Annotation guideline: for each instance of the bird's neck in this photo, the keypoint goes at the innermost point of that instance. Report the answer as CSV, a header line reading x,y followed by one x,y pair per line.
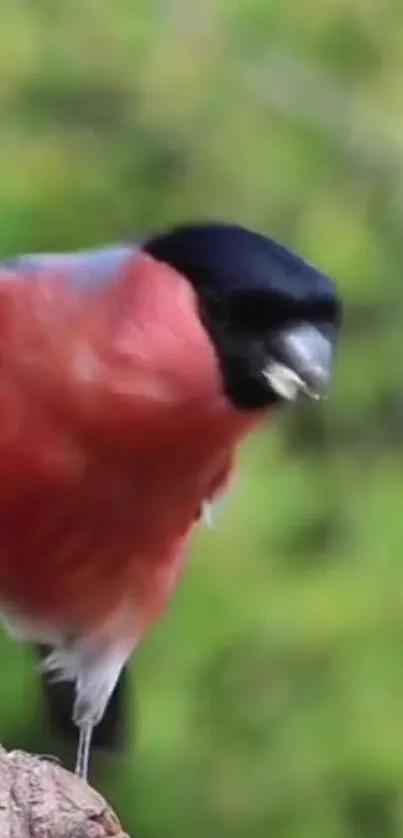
x,y
172,357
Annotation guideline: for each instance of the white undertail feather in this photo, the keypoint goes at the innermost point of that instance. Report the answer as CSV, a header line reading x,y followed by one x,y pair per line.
x,y
95,671
32,631
94,667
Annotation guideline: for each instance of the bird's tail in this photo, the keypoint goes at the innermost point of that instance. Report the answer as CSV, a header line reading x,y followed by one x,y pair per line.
x,y
111,734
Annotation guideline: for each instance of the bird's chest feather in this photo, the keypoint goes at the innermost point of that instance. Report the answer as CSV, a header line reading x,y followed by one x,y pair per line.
x,y
113,432
78,538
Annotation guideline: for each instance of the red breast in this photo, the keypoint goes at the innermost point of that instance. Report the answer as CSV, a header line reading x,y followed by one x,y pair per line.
x,y
114,428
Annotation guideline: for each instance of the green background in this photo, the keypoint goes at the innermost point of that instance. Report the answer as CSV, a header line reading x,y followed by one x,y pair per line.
x,y
269,701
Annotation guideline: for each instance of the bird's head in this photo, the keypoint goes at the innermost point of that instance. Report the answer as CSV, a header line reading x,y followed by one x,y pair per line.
x,y
273,318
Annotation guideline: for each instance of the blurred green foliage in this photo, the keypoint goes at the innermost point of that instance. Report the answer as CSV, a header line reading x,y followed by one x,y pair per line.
x,y
270,699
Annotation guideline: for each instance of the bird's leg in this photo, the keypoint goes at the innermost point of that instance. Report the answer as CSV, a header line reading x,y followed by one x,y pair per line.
x,y
95,668
83,751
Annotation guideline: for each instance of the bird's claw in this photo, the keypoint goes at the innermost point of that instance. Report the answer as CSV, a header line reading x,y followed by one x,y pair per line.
x,y
50,758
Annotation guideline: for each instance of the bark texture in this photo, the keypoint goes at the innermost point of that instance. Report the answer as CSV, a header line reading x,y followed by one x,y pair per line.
x,y
40,799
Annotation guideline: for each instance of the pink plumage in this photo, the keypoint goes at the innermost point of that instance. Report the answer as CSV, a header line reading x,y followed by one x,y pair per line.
x,y
114,430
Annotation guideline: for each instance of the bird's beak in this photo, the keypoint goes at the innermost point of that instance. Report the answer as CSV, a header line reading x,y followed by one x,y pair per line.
x,y
301,361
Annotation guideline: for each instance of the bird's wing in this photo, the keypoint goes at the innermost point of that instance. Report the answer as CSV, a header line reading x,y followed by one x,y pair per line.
x,y
86,268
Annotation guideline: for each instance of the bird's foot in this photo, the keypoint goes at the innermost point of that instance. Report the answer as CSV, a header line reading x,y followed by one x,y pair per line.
x,y
50,758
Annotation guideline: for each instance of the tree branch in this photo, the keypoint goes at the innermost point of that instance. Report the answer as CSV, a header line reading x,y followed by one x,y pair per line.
x,y
39,799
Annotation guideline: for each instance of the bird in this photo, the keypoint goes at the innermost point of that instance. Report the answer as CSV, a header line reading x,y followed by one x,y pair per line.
x,y
130,373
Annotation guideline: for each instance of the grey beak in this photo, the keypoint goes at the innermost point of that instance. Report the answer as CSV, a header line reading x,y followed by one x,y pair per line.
x,y
302,360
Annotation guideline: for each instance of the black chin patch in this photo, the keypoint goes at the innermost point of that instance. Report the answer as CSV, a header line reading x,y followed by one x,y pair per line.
x,y
242,359
247,392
